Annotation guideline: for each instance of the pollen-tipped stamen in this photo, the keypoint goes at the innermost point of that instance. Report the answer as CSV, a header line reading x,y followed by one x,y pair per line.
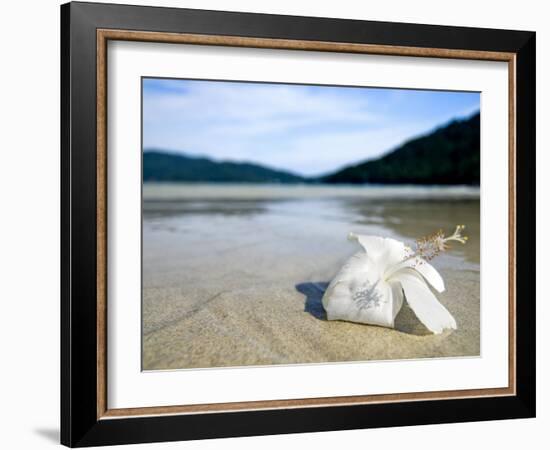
x,y
457,235
430,246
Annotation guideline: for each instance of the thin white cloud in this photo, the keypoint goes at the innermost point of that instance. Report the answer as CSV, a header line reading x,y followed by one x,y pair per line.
x,y
297,128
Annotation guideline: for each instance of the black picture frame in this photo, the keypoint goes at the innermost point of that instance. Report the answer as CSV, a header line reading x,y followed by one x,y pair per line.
x,y
80,425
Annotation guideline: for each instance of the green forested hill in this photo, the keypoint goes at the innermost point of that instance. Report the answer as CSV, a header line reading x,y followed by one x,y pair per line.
x,y
163,166
449,155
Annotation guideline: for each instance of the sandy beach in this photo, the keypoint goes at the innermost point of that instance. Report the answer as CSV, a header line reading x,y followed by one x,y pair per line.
x,y
234,275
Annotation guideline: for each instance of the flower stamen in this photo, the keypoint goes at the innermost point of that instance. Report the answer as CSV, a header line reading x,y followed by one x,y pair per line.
x,y
430,246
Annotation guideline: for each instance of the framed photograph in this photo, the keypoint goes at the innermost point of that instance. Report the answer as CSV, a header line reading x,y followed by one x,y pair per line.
x,y
278,224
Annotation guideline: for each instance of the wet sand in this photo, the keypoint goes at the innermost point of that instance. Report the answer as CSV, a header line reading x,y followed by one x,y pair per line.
x,y
234,275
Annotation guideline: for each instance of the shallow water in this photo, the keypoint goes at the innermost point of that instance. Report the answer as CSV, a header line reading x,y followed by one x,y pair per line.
x,y
404,212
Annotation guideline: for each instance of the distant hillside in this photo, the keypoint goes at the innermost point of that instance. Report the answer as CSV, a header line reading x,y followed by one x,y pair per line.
x,y
449,155
162,166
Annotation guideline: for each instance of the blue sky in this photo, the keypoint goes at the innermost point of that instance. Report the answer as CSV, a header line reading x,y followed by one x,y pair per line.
x,y
308,130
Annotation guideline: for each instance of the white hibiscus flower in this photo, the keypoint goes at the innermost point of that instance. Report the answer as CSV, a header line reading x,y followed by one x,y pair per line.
x,y
372,285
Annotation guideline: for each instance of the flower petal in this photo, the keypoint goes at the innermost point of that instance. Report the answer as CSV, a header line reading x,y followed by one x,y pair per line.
x,y
425,269
342,303
385,252
424,304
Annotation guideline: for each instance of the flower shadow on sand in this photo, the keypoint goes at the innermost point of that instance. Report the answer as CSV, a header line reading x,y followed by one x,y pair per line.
x,y
405,322
314,293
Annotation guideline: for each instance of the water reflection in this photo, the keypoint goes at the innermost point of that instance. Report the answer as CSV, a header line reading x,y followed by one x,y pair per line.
x,y
406,217
415,218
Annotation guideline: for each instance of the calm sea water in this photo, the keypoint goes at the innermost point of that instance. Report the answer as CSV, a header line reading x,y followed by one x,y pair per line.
x,y
308,212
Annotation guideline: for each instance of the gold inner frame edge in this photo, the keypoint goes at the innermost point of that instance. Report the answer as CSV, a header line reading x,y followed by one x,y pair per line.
x,y
103,36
